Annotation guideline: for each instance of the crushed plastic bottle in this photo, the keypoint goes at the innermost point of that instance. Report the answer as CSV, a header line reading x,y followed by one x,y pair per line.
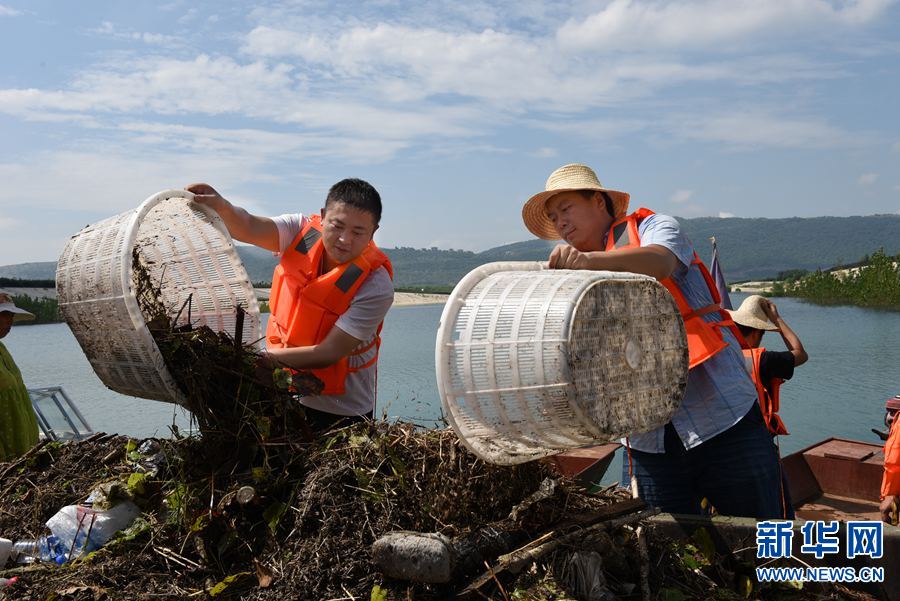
x,y
45,548
82,529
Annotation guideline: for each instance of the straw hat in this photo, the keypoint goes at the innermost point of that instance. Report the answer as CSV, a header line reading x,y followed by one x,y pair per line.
x,y
751,314
574,176
6,304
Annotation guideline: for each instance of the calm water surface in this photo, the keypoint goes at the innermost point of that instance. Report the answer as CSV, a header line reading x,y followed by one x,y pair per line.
x,y
854,367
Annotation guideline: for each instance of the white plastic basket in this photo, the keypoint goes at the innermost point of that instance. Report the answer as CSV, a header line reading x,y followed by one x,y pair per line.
x,y
188,252
532,361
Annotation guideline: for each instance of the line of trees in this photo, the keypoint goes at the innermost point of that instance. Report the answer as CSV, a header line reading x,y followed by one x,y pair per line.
x,y
17,283
876,284
46,310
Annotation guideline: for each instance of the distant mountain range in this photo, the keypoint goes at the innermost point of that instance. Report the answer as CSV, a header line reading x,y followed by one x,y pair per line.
x,y
748,249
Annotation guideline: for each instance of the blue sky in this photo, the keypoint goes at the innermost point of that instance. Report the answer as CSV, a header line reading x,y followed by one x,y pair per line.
x,y
456,111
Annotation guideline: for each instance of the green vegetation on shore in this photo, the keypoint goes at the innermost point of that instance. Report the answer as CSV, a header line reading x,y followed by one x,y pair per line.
x,y
20,283
46,310
874,284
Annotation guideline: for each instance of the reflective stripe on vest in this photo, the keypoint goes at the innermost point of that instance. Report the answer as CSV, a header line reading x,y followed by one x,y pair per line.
x,y
768,395
305,304
703,338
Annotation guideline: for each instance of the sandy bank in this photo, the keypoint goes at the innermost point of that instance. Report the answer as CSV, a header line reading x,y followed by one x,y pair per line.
x,y
758,287
404,299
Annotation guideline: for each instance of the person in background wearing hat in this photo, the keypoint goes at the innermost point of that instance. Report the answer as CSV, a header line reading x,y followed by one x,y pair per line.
x,y
330,293
716,446
18,425
769,369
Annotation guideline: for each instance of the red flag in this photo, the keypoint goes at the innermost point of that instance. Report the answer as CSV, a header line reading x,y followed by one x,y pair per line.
x,y
719,276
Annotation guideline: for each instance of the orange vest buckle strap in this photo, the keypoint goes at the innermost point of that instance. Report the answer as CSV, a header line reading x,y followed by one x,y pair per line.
x,y
703,338
305,304
769,396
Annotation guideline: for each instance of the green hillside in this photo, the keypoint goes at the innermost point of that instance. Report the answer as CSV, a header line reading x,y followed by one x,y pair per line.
x,y
748,248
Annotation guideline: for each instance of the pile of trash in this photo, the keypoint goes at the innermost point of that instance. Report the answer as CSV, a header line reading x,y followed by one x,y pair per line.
x,y
307,526
254,507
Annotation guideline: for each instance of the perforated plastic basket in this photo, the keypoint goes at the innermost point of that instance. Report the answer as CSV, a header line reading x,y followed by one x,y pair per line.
x,y
187,251
531,361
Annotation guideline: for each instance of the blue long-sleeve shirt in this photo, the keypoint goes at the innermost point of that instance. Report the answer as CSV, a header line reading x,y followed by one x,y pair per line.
x,y
719,390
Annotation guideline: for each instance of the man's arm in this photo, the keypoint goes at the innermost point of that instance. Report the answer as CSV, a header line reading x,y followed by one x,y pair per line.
x,y
791,340
243,226
888,510
653,260
337,345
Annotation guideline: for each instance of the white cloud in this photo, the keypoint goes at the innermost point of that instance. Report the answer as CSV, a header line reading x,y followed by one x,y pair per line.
x,y
545,153
867,179
113,179
221,86
896,147
8,222
897,188
6,11
188,16
681,196
724,215
691,210
628,24
106,28
759,128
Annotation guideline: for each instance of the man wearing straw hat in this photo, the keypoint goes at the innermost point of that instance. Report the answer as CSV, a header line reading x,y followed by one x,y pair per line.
x,y
716,446
330,293
769,369
18,425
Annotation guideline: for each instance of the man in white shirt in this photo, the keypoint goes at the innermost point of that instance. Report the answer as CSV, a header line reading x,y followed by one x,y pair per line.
x,y
330,293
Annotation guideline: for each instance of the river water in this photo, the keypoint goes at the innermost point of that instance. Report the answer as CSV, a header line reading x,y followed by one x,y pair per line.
x,y
854,367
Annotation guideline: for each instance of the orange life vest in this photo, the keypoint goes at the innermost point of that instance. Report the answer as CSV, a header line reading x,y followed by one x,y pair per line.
x,y
703,338
890,483
768,395
305,304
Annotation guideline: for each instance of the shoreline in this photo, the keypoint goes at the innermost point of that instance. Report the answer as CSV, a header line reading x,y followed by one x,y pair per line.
x,y
401,299
409,299
755,287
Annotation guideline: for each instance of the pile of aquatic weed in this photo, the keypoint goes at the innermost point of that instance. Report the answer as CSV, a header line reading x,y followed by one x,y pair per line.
x,y
237,405
303,528
252,508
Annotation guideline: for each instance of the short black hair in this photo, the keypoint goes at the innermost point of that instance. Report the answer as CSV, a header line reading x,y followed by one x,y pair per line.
x,y
745,330
356,193
607,199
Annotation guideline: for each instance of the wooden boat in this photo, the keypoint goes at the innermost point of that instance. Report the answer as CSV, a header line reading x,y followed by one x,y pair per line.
x,y
834,479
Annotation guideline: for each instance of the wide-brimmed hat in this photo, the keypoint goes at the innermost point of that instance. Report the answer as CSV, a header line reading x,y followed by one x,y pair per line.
x,y
752,315
6,304
573,176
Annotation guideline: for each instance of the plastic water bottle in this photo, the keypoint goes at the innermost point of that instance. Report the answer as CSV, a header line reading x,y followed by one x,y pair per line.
x,y
45,548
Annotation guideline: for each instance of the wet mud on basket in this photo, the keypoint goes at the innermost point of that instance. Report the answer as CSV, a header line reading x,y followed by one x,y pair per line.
x,y
303,528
